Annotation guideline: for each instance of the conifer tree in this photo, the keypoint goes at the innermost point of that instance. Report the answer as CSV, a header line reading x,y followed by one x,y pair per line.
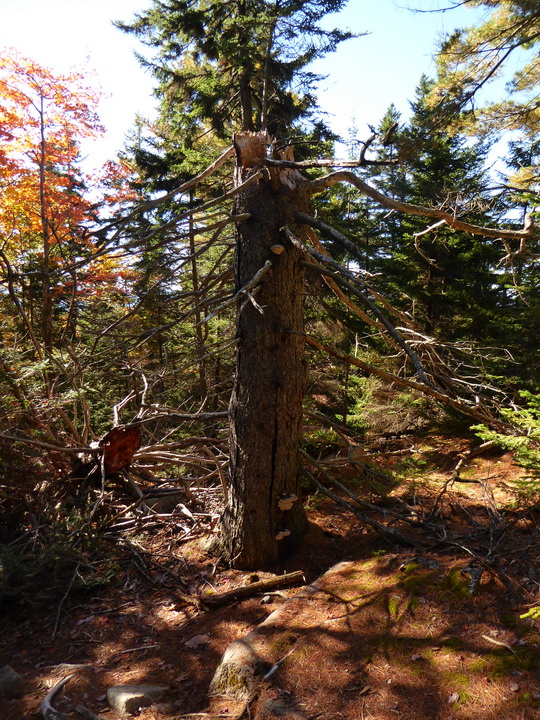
x,y
223,67
446,276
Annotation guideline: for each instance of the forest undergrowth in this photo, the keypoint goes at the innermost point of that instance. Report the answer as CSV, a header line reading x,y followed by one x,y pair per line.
x,y
140,601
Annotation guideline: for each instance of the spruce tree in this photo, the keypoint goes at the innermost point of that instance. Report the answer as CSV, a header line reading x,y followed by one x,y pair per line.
x,y
223,67
444,277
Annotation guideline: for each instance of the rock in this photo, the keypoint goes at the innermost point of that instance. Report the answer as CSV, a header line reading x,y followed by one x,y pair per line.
x,y
11,683
129,699
276,708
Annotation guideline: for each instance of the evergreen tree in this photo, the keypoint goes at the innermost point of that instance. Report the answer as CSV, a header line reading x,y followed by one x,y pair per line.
x,y
445,276
471,58
222,67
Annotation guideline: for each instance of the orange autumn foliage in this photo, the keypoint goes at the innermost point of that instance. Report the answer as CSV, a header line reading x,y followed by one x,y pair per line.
x,y
49,207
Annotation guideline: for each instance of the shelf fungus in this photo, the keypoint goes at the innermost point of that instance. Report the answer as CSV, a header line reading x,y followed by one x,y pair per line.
x,y
277,249
283,534
286,503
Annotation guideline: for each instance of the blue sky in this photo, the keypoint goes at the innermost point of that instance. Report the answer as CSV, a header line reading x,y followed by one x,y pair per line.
x,y
365,75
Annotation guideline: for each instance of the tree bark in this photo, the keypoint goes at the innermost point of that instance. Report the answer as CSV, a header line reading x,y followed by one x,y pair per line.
x,y
265,411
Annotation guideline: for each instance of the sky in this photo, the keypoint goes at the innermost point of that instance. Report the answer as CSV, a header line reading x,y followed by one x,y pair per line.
x,y
365,75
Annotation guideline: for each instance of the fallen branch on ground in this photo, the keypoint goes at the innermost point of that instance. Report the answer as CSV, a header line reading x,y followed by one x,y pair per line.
x,y
396,535
253,589
47,710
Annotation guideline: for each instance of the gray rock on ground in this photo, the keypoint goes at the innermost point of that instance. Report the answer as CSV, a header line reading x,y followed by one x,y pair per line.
x,y
11,683
129,699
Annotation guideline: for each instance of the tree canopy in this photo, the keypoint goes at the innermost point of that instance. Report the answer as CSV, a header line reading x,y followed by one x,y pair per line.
x,y
471,58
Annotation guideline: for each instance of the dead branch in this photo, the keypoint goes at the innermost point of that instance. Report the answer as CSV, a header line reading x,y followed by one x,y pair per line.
x,y
49,446
47,710
163,412
335,235
352,281
189,213
219,468
331,162
243,291
193,231
214,600
144,207
461,405
334,286
356,499
394,534
463,460
322,184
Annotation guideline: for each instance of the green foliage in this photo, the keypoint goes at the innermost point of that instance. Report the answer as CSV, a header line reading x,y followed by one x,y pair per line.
x,y
505,40
443,277
524,442
533,613
222,67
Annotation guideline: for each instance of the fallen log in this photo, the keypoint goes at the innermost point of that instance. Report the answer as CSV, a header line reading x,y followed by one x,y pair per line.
x,y
216,599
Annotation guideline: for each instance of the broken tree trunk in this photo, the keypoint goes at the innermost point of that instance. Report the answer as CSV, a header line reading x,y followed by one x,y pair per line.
x,y
265,412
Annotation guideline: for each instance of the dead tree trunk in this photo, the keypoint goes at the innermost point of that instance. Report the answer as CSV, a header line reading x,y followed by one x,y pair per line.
x,y
266,403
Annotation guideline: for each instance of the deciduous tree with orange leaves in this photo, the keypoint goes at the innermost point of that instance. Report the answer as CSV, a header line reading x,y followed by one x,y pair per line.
x,y
51,264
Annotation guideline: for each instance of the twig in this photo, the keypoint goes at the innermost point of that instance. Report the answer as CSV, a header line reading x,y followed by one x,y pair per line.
x,y
243,291
62,601
279,663
396,535
220,473
362,503
49,446
463,460
498,642
138,649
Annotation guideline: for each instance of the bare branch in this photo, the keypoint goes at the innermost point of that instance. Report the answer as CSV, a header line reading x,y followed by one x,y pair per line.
x,y
243,291
331,162
396,535
479,413
367,302
221,160
322,184
49,446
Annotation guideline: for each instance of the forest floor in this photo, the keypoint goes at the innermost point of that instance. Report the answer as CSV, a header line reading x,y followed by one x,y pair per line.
x,y
392,632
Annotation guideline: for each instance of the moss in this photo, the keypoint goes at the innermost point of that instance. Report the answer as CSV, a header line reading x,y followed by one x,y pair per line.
x,y
392,605
412,604
455,582
417,581
457,680
282,644
502,662
451,643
